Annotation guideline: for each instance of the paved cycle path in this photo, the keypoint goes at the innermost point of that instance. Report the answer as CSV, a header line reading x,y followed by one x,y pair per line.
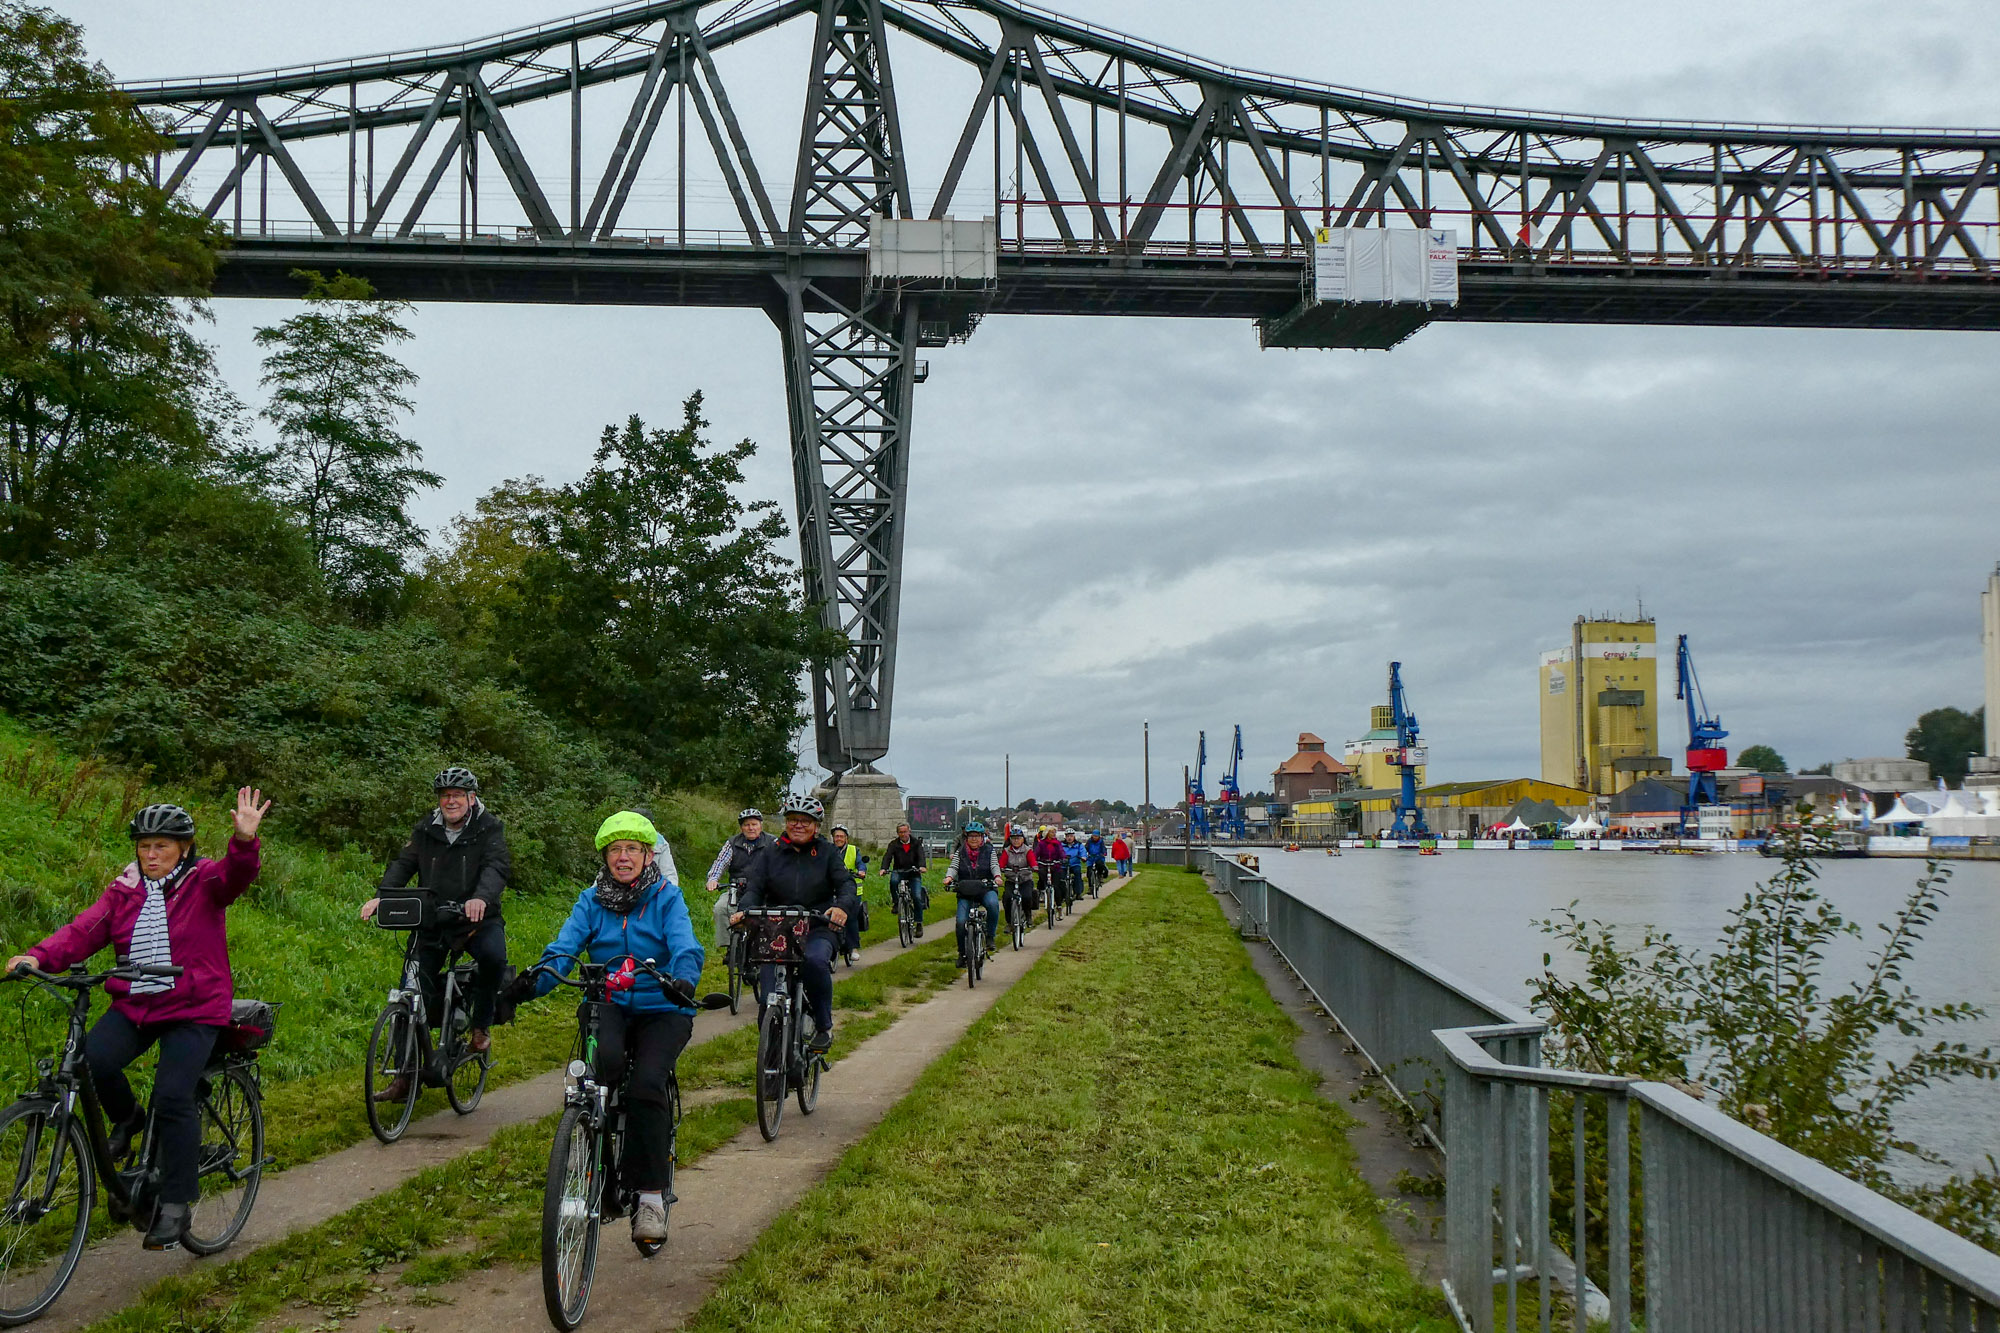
x,y
735,1191
114,1270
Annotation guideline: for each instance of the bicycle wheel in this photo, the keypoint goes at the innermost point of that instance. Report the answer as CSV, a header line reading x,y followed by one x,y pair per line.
x,y
465,1074
395,1049
771,1073
906,928
569,1219
975,953
1020,921
51,1184
808,1065
232,1159
734,957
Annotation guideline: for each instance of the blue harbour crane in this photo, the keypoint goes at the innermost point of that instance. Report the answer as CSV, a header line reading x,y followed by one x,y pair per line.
x,y
1229,796
1705,753
1197,796
1409,756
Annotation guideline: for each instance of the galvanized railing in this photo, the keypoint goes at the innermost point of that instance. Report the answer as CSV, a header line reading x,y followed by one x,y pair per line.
x,y
1709,1227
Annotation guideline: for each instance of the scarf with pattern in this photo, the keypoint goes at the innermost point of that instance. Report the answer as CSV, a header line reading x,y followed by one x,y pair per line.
x,y
622,898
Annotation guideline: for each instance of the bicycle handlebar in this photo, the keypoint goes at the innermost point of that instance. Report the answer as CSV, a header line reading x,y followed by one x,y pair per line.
x,y
714,1000
77,979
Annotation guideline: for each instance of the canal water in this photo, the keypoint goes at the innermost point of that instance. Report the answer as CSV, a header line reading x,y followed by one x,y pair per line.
x,y
1472,914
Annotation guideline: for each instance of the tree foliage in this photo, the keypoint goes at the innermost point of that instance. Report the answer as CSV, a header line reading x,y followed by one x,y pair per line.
x,y
1762,758
1946,738
1787,1053
98,366
338,396
649,603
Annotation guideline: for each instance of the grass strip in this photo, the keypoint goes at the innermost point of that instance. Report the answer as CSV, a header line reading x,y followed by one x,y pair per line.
x,y
484,1207
1125,1142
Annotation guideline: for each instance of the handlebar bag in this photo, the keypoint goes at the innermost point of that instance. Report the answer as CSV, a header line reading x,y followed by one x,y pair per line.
x,y
777,939
406,910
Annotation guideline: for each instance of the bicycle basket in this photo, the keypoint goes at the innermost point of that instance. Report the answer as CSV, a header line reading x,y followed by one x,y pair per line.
x,y
406,910
251,1023
776,939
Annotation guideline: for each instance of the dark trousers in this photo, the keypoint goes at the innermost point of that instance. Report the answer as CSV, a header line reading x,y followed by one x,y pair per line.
x,y
850,934
651,1043
816,963
486,946
116,1041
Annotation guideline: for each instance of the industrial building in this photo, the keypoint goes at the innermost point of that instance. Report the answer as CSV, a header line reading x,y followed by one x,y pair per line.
x,y
1600,704
1309,773
1373,757
1452,809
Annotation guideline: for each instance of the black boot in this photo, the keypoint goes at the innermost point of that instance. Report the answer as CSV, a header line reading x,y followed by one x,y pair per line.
x,y
124,1132
169,1226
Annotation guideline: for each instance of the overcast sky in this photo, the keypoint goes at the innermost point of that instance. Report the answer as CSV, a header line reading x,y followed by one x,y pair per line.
x,y
1215,535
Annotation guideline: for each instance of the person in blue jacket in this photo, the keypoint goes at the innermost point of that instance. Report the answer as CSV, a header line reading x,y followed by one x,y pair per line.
x,y
632,910
1093,851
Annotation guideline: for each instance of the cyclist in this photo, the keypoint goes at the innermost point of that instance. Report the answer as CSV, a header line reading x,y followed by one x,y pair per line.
x,y
972,872
1093,852
632,910
1121,854
903,862
850,934
1017,864
1073,854
734,860
459,853
804,870
1049,858
164,909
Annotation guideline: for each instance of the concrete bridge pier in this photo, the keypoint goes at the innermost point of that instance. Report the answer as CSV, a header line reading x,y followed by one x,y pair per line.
x,y
869,803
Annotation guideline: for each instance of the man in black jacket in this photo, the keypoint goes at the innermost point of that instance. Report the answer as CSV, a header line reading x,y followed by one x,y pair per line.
x,y
458,852
903,861
805,870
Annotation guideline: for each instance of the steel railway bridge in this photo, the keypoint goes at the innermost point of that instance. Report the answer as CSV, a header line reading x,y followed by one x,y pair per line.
x,y
605,159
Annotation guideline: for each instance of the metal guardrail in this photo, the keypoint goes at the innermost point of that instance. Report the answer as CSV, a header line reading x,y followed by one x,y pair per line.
x,y
1686,1219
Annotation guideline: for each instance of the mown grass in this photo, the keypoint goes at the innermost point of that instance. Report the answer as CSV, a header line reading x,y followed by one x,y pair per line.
x,y
484,1207
1125,1141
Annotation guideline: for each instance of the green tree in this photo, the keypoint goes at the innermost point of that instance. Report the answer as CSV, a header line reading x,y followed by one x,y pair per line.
x,y
1762,758
338,396
1945,738
653,607
98,366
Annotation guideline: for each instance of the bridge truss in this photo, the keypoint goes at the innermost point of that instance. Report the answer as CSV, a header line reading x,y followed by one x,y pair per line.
x,y
604,159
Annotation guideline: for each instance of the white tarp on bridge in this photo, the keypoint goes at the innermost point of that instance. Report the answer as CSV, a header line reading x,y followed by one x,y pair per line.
x,y
1386,264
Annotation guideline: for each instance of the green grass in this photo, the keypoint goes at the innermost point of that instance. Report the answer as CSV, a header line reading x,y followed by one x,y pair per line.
x,y
1125,1142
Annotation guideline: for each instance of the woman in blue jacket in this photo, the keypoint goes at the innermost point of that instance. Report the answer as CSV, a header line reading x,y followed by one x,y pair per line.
x,y
633,911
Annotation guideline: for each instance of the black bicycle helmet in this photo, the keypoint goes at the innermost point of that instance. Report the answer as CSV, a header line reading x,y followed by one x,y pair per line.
x,y
162,821
457,776
752,813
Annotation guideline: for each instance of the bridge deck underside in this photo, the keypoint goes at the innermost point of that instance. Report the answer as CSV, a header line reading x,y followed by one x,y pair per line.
x,y
1098,284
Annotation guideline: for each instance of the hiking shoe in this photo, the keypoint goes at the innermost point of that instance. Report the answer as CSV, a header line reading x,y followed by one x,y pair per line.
x,y
649,1222
170,1225
398,1089
820,1042
123,1134
479,1041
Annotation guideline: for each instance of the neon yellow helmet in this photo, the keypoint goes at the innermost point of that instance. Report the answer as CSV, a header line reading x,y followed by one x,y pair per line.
x,y
627,826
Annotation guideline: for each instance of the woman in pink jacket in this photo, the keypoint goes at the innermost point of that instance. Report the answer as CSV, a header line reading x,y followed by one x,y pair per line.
x,y
166,909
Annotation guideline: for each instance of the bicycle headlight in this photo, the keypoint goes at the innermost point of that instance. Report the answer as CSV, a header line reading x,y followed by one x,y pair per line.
x,y
577,1069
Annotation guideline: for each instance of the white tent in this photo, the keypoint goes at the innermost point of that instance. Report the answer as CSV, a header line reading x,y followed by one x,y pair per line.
x,y
1517,827
1583,825
1899,813
1844,814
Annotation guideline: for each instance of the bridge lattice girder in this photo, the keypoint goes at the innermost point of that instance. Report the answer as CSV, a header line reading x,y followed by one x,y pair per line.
x,y
615,157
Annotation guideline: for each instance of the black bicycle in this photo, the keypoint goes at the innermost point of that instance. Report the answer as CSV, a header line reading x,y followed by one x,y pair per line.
x,y
733,962
909,922
55,1148
582,1190
975,944
400,1046
1096,875
1058,880
786,1063
1015,904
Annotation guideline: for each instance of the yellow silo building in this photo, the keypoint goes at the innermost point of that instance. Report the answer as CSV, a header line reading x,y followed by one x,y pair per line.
x,y
1601,706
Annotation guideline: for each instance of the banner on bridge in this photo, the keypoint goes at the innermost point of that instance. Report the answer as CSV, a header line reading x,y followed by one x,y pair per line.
x,y
1385,264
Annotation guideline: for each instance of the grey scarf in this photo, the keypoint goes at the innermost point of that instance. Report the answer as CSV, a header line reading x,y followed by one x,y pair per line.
x,y
150,945
622,898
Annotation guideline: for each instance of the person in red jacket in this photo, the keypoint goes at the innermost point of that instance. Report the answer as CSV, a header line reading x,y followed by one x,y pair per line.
x,y
1121,854
165,909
